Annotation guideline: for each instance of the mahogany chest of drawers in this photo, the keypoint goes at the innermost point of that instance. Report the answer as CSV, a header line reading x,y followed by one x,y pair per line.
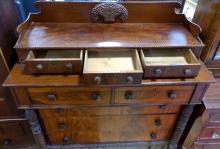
x,y
98,74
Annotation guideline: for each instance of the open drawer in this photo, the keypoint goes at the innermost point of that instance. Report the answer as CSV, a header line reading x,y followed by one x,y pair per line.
x,y
162,63
112,67
54,61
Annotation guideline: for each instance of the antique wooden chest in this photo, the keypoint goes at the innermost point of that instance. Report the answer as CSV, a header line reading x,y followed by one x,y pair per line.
x,y
97,74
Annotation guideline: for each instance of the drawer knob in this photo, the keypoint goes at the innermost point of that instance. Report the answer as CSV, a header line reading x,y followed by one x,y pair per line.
x,y
157,122
69,66
58,110
172,94
162,107
7,142
39,67
129,95
158,71
130,79
97,79
52,96
65,139
61,126
153,135
96,96
188,71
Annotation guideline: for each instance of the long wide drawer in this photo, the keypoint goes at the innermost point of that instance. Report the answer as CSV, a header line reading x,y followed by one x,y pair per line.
x,y
70,95
154,94
96,129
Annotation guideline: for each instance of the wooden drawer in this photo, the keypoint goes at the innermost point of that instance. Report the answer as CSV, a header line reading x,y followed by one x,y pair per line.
x,y
96,129
210,133
99,111
11,129
162,63
112,67
54,61
70,95
153,94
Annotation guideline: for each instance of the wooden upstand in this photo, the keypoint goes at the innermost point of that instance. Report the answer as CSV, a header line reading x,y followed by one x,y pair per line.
x,y
103,74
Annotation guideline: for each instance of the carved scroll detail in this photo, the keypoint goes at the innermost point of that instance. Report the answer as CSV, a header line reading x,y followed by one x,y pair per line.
x,y
36,128
180,126
108,12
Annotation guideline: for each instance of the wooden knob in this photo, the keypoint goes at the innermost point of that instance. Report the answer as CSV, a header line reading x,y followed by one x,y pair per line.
x,y
172,94
52,96
61,126
158,71
69,66
65,139
153,135
58,110
187,71
96,96
162,107
39,67
157,122
130,79
97,79
7,142
129,95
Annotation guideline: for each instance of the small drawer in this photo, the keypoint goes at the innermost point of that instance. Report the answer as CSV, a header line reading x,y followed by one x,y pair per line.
x,y
210,133
154,94
117,128
70,95
110,67
54,61
161,63
11,129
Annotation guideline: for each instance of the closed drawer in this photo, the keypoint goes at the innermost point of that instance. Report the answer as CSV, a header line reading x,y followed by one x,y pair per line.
x,y
111,67
210,133
70,95
101,111
154,94
11,129
94,129
54,61
162,63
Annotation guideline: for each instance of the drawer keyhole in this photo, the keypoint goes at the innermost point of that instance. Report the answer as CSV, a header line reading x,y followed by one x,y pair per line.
x,y
172,94
69,66
96,96
162,107
97,79
65,139
58,110
52,96
129,95
130,79
157,122
61,126
39,67
158,71
187,71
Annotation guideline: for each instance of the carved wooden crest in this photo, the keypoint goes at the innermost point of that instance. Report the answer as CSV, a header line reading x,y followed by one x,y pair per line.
x,y
108,12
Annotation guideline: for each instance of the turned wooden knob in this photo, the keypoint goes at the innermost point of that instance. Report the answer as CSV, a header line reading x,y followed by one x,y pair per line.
x,y
129,95
69,66
39,67
153,135
172,94
97,79
96,96
187,71
130,79
157,122
61,126
52,96
158,71
65,139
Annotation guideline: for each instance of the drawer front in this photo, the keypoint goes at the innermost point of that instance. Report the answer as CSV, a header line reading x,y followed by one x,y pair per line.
x,y
12,129
70,95
205,146
210,133
94,129
154,94
99,111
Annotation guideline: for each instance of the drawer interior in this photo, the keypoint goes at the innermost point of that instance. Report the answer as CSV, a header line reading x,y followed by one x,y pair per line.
x,y
54,54
112,61
169,57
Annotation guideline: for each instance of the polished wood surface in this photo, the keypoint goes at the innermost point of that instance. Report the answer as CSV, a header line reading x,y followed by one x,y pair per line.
x,y
76,80
51,35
